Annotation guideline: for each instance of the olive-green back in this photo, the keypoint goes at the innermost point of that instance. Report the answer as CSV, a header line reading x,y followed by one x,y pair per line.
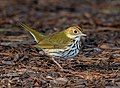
x,y
55,41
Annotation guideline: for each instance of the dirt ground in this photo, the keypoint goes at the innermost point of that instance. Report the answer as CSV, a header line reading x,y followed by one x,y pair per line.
x,y
24,66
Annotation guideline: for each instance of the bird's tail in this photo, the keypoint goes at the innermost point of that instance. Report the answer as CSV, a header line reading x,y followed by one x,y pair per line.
x,y
37,36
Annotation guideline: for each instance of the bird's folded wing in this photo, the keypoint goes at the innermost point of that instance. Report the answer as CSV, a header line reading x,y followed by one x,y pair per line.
x,y
57,41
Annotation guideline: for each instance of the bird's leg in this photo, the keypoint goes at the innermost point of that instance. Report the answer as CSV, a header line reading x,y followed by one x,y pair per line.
x,y
57,63
52,58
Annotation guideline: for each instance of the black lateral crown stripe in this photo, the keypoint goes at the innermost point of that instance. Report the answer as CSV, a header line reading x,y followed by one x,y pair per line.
x,y
78,28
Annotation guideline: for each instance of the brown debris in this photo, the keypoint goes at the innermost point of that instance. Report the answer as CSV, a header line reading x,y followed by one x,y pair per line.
x,y
24,66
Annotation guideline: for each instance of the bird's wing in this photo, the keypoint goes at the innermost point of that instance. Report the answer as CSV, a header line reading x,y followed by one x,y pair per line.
x,y
56,41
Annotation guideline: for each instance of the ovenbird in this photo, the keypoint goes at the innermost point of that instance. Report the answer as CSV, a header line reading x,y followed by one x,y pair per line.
x,y
64,44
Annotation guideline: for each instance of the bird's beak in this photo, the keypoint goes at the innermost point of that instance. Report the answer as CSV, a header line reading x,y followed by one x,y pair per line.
x,y
84,35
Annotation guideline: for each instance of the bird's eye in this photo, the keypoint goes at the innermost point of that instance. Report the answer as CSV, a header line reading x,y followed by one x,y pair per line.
x,y
75,31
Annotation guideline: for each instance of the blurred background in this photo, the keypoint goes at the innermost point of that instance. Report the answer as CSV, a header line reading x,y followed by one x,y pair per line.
x,y
60,13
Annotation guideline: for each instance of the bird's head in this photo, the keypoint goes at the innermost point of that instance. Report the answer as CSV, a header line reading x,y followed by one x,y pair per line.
x,y
74,32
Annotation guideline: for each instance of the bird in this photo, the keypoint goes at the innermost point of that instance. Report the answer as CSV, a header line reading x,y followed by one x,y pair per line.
x,y
63,44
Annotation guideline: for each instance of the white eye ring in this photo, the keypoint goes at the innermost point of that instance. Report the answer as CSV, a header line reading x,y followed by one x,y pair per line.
x,y
75,31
